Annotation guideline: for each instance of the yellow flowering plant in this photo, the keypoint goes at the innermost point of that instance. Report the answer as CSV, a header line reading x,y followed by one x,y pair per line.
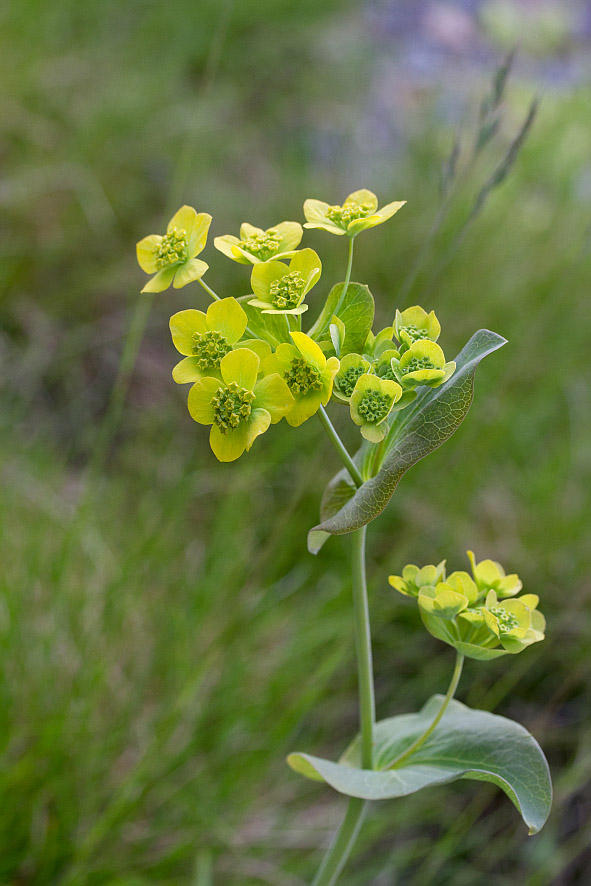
x,y
250,364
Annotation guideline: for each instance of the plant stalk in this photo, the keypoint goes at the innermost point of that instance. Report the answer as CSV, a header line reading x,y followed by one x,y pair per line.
x,y
349,267
342,844
216,297
208,289
367,707
431,729
340,447
345,838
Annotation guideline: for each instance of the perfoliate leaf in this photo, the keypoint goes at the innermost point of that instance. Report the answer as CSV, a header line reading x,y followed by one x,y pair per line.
x,y
355,309
415,432
467,744
273,328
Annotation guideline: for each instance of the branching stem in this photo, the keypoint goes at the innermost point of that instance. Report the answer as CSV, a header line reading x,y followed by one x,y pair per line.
x,y
455,679
340,447
216,297
209,290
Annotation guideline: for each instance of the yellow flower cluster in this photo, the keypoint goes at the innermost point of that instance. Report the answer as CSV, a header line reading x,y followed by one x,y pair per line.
x,y
250,363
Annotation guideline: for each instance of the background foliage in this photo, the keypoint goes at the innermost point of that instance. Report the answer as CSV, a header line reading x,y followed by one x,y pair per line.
x,y
167,639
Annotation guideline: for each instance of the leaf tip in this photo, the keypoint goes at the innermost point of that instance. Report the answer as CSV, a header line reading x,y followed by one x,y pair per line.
x,y
500,340
316,539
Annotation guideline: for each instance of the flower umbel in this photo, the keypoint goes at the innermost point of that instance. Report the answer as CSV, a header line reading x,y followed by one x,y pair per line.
x,y
415,324
423,363
414,579
256,245
172,257
281,289
238,406
352,367
371,402
470,617
205,339
490,576
358,212
308,374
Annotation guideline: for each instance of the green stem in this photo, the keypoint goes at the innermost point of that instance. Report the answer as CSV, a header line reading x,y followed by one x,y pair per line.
x,y
349,267
340,447
344,840
328,425
208,289
377,458
367,706
216,297
455,679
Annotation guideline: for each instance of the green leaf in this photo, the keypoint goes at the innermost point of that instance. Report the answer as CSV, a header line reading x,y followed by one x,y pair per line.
x,y
355,310
467,744
272,328
415,432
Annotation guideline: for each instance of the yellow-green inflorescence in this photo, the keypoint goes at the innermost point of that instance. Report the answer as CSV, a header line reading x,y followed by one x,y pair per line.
x,y
206,338
376,382
302,377
423,363
286,291
256,245
466,612
262,246
239,405
358,212
371,403
172,249
281,289
231,405
308,374
415,324
172,257
342,215
209,348
349,379
352,367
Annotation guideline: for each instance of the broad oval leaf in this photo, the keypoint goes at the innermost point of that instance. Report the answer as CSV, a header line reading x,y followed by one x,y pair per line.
x,y
467,744
415,432
355,309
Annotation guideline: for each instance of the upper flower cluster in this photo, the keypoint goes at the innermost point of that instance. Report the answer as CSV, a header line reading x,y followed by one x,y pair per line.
x,y
296,373
479,615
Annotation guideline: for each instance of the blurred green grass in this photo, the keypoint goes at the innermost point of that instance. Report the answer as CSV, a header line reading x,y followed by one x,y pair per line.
x,y
161,657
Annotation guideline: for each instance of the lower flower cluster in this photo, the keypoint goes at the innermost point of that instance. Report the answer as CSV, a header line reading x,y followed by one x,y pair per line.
x,y
479,614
